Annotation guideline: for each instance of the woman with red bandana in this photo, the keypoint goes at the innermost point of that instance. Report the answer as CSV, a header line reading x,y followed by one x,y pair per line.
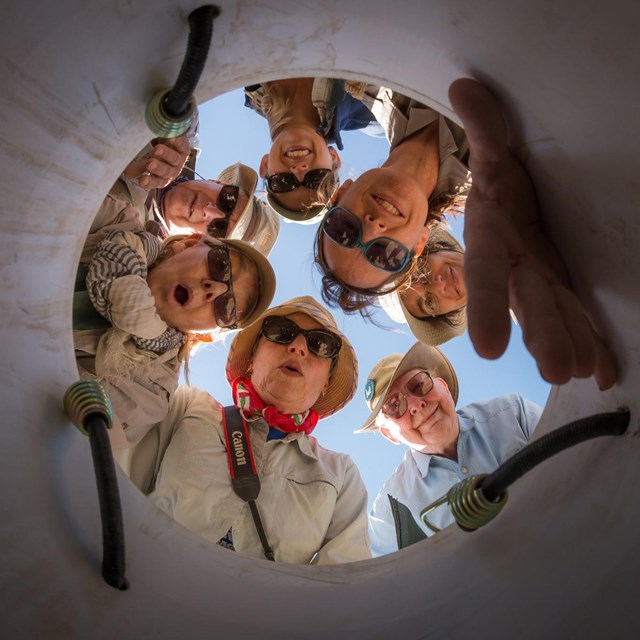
x,y
288,370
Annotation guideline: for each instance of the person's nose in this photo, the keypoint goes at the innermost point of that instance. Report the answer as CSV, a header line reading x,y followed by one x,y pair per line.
x,y
299,345
438,283
415,404
373,226
211,289
299,169
211,212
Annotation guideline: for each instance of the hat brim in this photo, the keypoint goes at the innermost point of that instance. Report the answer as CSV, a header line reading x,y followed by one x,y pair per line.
x,y
420,356
344,376
267,279
312,215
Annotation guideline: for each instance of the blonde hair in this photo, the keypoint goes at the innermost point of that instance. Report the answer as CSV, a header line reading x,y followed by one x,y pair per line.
x,y
273,104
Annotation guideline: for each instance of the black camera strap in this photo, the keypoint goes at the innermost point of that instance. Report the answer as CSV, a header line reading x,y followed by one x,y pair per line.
x,y
242,468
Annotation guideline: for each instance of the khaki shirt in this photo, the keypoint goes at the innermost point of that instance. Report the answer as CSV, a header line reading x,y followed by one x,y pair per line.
x,y
312,501
401,116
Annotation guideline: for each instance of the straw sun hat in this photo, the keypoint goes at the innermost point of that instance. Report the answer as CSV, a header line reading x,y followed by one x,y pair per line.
x,y
389,369
436,330
344,375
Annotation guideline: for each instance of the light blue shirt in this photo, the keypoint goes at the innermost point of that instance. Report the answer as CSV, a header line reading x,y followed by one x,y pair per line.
x,y
490,433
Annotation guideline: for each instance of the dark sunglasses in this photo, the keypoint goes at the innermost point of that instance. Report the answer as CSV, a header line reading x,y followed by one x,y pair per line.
x,y
345,229
224,305
285,182
323,344
226,202
419,386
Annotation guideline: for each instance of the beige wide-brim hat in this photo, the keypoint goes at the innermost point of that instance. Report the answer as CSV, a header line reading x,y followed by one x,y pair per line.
x,y
257,224
389,369
344,376
430,331
265,273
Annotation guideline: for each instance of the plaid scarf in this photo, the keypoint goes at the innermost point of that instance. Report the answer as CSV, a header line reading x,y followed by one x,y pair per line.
x,y
251,405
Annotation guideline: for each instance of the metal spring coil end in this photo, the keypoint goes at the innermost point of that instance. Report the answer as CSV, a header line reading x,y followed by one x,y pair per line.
x,y
161,124
84,398
469,506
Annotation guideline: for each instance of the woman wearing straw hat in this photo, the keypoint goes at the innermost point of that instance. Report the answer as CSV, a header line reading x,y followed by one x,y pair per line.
x,y
159,191
287,370
434,301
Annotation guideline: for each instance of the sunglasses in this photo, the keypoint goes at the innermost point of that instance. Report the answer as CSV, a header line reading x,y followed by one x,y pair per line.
x,y
224,305
345,229
285,182
419,386
321,343
226,202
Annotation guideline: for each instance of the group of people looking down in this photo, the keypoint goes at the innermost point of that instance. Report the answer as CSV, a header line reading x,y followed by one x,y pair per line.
x,y
173,260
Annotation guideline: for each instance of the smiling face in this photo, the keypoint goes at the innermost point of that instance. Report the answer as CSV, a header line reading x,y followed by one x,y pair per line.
x,y
184,292
430,424
298,149
387,203
191,206
289,376
446,290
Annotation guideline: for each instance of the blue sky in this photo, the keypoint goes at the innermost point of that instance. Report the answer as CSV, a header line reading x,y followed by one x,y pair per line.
x,y
229,133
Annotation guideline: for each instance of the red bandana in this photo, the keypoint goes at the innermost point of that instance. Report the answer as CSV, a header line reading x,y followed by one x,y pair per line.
x,y
251,405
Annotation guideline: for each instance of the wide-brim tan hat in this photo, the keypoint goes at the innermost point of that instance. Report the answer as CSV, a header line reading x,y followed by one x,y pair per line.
x,y
267,277
257,224
312,215
344,375
389,369
431,331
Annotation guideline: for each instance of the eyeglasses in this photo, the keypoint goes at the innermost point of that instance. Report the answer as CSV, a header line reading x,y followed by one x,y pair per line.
x,y
224,305
286,181
226,202
419,386
323,344
345,229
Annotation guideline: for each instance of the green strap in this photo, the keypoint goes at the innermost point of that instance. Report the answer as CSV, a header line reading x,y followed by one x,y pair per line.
x,y
407,530
85,315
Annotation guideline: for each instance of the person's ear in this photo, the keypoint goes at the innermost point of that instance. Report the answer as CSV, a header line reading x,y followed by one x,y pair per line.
x,y
343,187
263,171
425,232
336,162
386,433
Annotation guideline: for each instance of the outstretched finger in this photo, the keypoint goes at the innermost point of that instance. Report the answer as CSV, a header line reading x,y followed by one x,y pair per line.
x,y
544,329
486,273
482,119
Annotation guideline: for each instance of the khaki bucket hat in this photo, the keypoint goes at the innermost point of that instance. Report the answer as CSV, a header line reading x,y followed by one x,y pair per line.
x,y
344,376
431,331
312,215
389,369
265,273
257,224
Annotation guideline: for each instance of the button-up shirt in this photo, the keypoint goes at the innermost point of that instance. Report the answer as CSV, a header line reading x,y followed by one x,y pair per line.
x,y
312,501
490,433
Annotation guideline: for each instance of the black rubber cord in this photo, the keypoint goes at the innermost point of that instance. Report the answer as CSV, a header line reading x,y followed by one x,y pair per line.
x,y
113,553
177,101
601,424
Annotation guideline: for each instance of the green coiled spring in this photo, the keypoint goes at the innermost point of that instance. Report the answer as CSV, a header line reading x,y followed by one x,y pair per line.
x,y
85,398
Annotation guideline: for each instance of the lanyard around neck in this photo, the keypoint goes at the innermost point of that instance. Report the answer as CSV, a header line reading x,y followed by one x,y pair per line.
x,y
244,477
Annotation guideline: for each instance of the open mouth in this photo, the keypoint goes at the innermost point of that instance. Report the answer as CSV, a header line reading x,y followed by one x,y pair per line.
x,y
290,368
387,205
297,152
181,294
